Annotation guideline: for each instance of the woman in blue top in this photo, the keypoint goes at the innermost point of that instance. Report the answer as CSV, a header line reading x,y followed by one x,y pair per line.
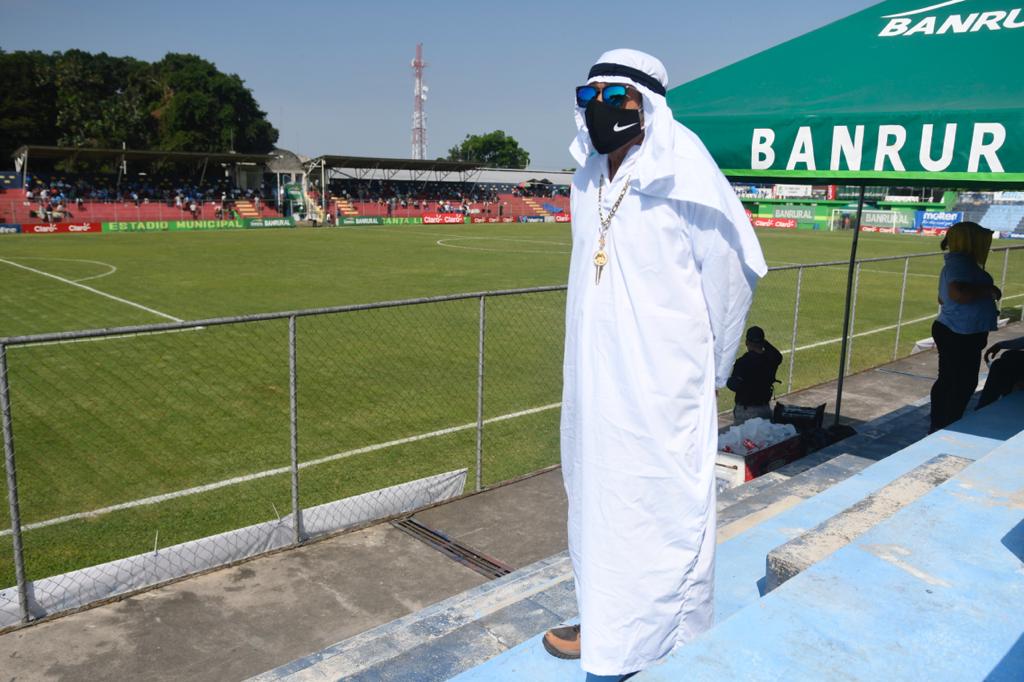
x,y
968,299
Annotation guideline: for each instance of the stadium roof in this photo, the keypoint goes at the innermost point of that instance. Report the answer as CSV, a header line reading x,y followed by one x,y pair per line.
x,y
936,82
374,162
74,153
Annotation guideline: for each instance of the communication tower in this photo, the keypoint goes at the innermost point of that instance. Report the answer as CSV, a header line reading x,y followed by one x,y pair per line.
x,y
419,119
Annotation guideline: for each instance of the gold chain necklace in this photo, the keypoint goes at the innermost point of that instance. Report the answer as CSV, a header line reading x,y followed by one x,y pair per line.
x,y
601,257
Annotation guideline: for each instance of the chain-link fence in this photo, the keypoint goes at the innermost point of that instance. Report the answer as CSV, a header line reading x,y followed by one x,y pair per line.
x,y
140,454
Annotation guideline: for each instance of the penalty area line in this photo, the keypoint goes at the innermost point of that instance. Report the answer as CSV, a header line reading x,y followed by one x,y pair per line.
x,y
73,283
156,499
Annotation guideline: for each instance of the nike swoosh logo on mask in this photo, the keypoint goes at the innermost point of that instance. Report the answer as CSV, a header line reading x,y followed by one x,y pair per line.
x,y
617,129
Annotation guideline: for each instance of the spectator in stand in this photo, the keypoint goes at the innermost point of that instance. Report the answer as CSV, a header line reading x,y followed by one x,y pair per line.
x,y
753,378
1006,373
967,296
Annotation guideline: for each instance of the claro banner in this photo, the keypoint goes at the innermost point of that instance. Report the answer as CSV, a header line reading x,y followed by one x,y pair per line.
x,y
776,223
443,219
62,228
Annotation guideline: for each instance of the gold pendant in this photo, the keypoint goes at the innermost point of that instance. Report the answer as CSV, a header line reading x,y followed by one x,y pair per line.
x,y
600,259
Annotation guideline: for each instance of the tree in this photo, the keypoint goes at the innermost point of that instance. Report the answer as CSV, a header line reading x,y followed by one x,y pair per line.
x,y
495,149
181,103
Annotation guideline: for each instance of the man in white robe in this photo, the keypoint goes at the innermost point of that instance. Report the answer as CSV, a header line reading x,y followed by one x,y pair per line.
x,y
663,269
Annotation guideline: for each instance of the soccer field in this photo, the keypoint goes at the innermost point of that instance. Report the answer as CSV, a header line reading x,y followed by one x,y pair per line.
x,y
384,396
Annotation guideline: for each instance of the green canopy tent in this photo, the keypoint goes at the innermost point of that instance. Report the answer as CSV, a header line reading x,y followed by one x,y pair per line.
x,y
925,92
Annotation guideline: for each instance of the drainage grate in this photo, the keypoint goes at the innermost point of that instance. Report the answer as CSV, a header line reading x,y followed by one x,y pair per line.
x,y
467,556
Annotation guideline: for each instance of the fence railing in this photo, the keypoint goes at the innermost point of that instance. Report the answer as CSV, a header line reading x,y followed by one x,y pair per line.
x,y
125,446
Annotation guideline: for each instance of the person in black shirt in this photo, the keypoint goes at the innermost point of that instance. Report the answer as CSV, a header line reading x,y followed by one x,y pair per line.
x,y
753,377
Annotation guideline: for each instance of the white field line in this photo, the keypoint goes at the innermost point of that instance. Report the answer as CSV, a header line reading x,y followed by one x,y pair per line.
x,y
156,499
358,451
876,330
445,243
95,291
111,269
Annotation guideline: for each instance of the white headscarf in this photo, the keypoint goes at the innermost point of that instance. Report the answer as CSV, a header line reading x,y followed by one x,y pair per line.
x,y
673,163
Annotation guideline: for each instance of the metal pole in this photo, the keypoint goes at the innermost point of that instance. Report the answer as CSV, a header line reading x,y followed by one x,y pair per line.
x,y
480,395
323,191
12,486
796,319
853,318
846,309
899,316
1006,264
294,418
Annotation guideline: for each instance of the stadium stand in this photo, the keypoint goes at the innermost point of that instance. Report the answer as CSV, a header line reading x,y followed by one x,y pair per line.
x,y
98,197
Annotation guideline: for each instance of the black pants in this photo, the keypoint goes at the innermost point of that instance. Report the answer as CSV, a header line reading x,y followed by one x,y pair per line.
x,y
959,362
1002,376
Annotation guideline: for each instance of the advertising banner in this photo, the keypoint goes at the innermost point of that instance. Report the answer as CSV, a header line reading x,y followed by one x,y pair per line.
x,y
794,212
531,219
361,220
937,220
62,228
890,220
779,223
443,219
876,228
10,228
403,221
563,218
269,222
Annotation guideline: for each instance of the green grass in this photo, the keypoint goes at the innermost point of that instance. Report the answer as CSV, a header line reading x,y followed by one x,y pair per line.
x,y
105,422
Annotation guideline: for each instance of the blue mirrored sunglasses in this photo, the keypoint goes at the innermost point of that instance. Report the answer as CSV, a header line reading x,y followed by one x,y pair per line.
x,y
615,95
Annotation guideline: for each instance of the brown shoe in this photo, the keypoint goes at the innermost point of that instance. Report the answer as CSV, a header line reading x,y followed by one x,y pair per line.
x,y
563,642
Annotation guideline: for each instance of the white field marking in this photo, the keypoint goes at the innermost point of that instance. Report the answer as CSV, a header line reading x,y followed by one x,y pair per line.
x,y
876,330
369,448
276,472
112,268
445,243
73,283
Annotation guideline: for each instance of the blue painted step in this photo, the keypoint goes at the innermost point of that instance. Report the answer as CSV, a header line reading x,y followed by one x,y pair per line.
x,y
740,562
933,593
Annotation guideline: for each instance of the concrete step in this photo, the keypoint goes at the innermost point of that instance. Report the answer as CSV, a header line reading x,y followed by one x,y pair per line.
x,y
800,553
453,635
740,562
874,440
933,592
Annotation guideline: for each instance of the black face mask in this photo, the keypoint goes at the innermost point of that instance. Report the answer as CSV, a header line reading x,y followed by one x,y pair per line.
x,y
610,127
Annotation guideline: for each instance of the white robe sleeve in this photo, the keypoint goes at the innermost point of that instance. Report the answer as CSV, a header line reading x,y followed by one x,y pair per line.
x,y
729,271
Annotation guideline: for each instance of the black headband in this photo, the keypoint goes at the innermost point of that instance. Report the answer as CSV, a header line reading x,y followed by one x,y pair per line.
x,y
636,75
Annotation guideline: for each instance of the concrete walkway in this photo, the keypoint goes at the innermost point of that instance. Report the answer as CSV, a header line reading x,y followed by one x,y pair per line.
x,y
241,621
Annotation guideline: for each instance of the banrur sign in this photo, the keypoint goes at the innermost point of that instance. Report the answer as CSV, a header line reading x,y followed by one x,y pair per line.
x,y
930,147
927,21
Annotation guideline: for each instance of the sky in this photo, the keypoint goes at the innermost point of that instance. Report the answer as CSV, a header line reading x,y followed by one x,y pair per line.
x,y
335,77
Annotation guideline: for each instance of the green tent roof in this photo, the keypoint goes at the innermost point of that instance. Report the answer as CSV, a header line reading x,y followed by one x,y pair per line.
x,y
906,91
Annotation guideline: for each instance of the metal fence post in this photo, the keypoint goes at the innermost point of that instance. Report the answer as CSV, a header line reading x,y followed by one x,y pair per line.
x,y
796,319
899,316
12,486
294,419
480,395
853,318
1006,264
